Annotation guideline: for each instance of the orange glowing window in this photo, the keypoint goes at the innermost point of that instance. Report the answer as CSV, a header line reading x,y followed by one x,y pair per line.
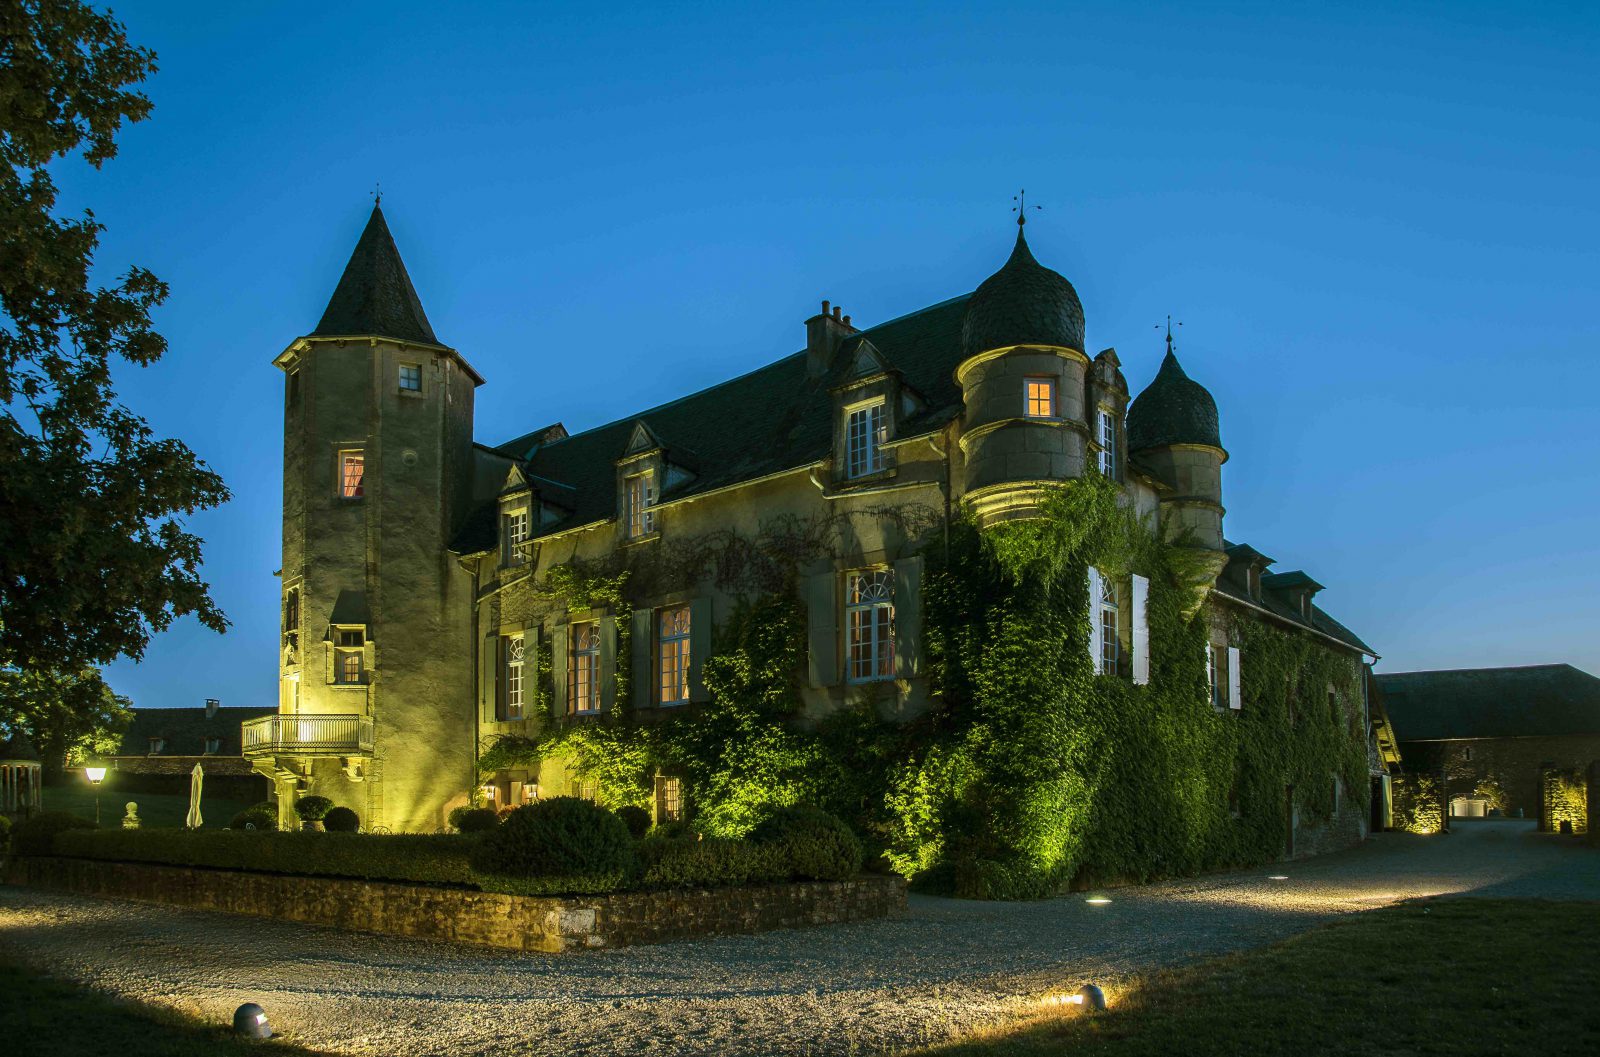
x,y
352,471
1040,395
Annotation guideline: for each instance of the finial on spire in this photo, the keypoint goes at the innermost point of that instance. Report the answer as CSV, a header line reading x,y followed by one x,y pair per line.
x,y
1021,208
1169,332
377,194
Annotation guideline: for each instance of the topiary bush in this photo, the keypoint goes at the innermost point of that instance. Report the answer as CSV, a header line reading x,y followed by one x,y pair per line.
x,y
813,844
37,835
637,819
560,845
474,819
669,862
262,816
312,808
341,820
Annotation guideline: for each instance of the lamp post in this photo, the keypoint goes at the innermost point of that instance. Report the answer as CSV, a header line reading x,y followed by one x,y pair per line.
x,y
96,774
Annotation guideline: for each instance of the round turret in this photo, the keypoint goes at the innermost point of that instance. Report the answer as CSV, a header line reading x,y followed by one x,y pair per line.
x,y
1024,303
1174,409
1173,431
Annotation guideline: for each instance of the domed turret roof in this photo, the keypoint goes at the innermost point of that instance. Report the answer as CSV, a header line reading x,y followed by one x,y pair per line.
x,y
1173,409
1024,303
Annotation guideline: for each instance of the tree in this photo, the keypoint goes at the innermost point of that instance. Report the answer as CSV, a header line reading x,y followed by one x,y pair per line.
x,y
69,718
94,558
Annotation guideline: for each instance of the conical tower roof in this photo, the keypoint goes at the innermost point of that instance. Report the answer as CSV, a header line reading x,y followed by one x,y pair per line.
x,y
1173,409
1024,303
375,297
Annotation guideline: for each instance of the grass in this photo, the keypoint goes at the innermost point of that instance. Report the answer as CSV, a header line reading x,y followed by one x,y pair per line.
x,y
165,810
1441,977
47,1018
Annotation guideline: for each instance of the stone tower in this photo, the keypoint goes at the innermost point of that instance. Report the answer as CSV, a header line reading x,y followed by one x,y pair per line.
x,y
1172,428
1022,380
376,704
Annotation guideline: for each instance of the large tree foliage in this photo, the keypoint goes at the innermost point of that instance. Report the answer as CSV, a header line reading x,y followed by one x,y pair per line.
x,y
69,718
93,555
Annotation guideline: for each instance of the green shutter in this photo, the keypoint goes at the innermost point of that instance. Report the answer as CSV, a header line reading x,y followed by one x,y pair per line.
x,y
822,629
699,645
908,618
558,670
643,676
608,663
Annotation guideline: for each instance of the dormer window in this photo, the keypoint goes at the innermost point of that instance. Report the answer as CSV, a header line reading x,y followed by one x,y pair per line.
x,y
866,431
1108,442
157,746
513,534
213,745
1253,582
1039,395
641,497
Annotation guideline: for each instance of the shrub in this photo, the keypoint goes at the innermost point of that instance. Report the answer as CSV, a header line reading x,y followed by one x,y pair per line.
x,y
667,862
37,835
341,820
421,858
262,816
474,819
312,808
814,844
637,819
5,831
563,845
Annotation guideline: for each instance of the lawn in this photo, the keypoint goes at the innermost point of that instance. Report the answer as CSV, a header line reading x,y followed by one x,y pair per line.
x,y
155,809
45,1018
1447,977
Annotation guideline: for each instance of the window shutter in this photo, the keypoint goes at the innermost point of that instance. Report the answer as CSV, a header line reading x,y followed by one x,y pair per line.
x,y
369,654
327,657
1235,700
640,649
822,632
1096,653
908,617
498,644
558,670
699,645
608,663
1141,630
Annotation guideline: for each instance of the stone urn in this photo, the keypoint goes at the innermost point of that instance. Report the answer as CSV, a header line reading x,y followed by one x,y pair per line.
x,y
313,826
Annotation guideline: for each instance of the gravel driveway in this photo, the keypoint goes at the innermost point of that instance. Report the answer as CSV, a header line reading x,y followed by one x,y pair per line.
x,y
834,990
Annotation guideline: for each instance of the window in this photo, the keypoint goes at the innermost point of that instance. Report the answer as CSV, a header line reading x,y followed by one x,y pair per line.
x,y
1110,626
291,611
157,746
869,621
1040,397
513,533
352,469
1108,443
641,503
672,655
669,799
347,656
1217,674
213,746
586,789
410,378
514,647
583,668
865,433
1466,754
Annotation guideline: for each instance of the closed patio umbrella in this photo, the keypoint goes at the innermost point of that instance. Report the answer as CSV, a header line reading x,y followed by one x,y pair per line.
x,y
196,776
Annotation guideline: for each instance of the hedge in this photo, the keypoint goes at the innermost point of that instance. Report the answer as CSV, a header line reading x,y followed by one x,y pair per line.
x,y
558,845
711,863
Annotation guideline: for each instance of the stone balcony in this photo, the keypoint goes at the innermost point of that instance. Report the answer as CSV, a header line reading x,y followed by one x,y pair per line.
x,y
304,735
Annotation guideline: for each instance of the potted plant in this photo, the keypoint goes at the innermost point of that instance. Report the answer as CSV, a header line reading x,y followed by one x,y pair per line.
x,y
312,810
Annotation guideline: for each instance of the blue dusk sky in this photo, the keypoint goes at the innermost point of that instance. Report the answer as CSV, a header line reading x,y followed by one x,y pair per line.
x,y
1377,222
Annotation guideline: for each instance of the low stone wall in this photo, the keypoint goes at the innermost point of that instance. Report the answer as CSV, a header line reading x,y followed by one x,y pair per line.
x,y
525,923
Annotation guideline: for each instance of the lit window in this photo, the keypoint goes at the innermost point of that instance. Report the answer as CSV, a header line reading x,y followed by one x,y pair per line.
x,y
513,532
1110,627
669,799
583,668
1108,443
515,650
869,619
641,505
352,468
347,658
865,433
410,378
672,655
1040,394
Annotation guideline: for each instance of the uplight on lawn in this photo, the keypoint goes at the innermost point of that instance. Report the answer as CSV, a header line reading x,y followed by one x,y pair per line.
x,y
1088,996
1098,901
1278,877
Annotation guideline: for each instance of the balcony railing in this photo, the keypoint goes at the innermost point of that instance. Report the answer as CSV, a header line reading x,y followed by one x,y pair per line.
x,y
308,735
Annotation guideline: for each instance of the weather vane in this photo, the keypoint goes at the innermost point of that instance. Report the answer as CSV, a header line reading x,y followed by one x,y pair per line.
x,y
1169,330
1021,208
377,194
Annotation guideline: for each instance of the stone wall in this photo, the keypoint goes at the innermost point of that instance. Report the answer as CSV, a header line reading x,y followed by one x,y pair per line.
x,y
1516,763
527,923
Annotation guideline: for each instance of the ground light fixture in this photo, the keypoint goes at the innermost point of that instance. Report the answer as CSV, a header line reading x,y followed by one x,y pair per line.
x,y
1089,996
96,773
1098,901
250,1020
1278,877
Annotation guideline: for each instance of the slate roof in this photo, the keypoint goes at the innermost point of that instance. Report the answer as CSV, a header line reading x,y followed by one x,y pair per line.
x,y
1540,699
375,296
1278,596
1173,409
186,730
1024,303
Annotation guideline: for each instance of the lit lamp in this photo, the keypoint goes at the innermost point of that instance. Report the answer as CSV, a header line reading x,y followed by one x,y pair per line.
x,y
96,774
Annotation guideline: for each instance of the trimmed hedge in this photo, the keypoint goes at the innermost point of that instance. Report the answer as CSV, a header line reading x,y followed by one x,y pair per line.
x,y
666,862
474,819
815,845
37,835
555,846
262,816
341,820
312,808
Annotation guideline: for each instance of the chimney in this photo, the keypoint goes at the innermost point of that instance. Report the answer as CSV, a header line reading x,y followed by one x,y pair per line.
x,y
212,704
824,332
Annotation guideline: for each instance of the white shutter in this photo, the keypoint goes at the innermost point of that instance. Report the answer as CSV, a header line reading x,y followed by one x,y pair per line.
x,y
1234,699
1096,654
1141,630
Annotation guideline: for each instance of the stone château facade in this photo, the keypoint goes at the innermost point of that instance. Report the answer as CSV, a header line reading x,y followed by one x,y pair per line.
x,y
418,624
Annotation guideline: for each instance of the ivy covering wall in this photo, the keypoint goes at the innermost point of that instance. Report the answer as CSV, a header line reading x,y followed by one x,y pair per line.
x,y
1029,772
